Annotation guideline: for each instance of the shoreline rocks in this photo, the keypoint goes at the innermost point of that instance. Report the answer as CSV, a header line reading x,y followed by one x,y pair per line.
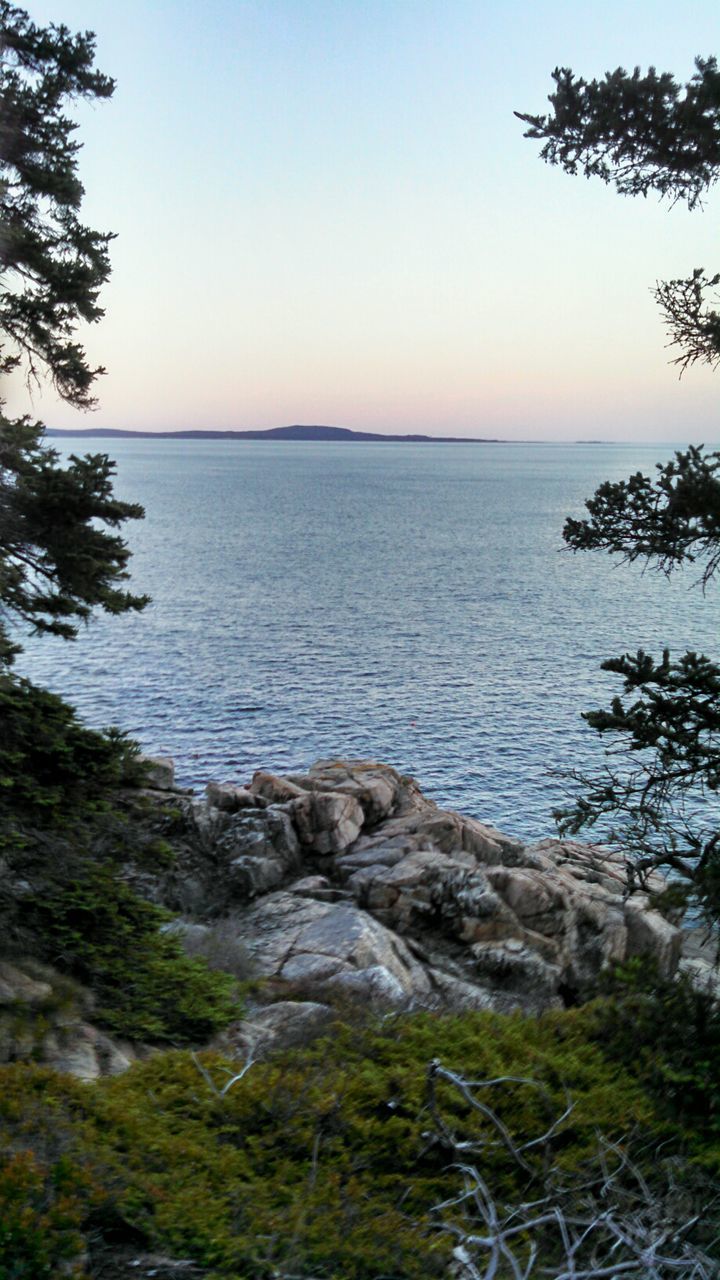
x,y
347,887
348,879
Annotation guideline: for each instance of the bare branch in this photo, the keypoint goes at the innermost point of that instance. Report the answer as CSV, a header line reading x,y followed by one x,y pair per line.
x,y
610,1223
221,1092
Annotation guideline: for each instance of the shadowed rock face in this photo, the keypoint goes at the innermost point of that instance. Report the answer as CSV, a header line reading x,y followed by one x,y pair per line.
x,y
348,880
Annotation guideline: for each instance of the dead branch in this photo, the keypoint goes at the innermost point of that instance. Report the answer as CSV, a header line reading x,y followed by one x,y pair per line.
x,y
603,1223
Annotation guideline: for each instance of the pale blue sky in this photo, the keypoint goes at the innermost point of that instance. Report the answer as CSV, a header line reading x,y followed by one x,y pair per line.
x,y
326,212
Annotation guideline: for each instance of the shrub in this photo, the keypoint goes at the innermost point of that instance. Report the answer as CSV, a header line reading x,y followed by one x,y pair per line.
x,y
97,929
68,846
666,1034
53,770
219,946
41,1211
326,1161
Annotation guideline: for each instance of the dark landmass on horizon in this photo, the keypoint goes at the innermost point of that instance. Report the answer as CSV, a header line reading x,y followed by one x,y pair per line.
x,y
296,432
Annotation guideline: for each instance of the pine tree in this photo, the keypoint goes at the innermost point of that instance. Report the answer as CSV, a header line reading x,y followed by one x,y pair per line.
x,y
60,553
656,794
642,134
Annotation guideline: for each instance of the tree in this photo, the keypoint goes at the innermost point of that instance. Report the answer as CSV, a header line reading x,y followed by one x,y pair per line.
x,y
56,264
60,554
643,134
654,794
60,557
656,790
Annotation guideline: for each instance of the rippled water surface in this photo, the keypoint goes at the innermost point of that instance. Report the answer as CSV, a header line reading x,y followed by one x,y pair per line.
x,y
412,603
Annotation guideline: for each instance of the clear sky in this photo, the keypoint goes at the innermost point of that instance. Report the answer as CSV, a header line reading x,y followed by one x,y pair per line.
x,y
327,213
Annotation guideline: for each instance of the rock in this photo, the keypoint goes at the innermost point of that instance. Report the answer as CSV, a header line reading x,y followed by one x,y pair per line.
x,y
518,970
159,772
376,985
537,900
17,987
273,789
703,975
376,787
83,1051
284,1025
347,884
700,958
44,1019
650,934
76,1057
318,887
349,863
451,992
317,944
310,970
326,822
113,1058
311,885
230,799
256,852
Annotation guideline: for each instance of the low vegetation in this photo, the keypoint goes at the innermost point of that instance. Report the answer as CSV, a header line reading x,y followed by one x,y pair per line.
x,y
342,1158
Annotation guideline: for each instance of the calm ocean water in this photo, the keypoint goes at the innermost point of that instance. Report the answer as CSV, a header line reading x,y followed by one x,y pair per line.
x,y
412,603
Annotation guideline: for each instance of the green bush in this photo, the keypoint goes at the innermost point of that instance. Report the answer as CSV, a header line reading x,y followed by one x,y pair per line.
x,y
42,1208
94,927
666,1034
326,1161
53,770
64,837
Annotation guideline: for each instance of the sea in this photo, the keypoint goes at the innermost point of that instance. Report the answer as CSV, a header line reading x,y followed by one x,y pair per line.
x,y
409,603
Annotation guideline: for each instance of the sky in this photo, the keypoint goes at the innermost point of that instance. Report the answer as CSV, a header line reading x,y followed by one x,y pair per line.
x,y
326,212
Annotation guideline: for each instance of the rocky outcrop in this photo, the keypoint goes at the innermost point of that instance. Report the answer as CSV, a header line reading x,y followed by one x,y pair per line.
x,y
347,887
158,772
348,881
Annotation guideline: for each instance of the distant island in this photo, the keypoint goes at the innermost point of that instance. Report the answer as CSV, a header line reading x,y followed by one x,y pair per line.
x,y
273,433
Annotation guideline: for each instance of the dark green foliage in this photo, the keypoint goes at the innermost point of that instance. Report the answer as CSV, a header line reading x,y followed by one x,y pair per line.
x,y
98,930
58,556
641,132
646,133
654,795
63,838
667,520
655,803
57,561
55,262
53,770
689,310
42,1207
666,1034
61,556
